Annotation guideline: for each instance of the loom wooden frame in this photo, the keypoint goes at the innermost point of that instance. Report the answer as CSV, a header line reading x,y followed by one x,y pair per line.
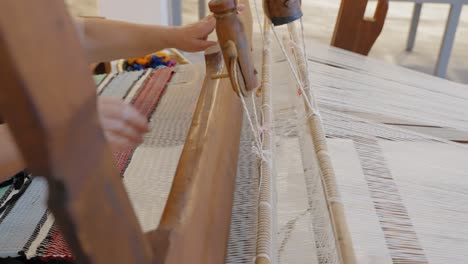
x,y
53,136
200,202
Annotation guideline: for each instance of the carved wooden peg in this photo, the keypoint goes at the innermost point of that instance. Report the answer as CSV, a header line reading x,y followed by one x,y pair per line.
x,y
235,45
282,12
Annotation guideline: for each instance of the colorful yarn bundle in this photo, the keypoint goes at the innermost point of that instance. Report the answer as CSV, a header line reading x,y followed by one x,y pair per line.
x,y
156,60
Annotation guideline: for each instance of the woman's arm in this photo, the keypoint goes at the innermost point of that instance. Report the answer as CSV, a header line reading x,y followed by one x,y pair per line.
x,y
106,40
11,161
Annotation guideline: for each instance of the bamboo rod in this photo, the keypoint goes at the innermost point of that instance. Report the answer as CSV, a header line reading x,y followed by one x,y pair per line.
x,y
335,206
265,223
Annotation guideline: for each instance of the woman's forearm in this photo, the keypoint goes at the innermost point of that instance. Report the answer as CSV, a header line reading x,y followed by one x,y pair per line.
x,y
106,40
11,161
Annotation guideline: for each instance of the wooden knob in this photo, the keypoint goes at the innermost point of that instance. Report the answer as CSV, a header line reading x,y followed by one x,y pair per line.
x,y
235,45
282,12
222,6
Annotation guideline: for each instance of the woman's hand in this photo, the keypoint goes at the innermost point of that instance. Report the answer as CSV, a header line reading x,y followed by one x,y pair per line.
x,y
193,37
123,125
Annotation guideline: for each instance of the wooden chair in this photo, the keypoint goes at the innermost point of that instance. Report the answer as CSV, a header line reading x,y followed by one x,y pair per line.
x,y
353,31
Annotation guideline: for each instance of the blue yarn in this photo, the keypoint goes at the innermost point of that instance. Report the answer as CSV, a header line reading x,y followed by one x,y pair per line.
x,y
155,63
137,66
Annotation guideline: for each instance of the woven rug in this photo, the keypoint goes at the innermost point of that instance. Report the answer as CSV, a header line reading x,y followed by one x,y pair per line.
x,y
99,78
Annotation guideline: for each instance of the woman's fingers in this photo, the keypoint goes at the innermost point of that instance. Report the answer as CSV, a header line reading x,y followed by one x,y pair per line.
x,y
202,44
194,37
206,26
119,143
120,128
123,125
240,8
134,119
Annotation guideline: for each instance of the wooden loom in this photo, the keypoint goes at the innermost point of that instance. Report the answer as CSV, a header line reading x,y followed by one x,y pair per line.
x,y
59,129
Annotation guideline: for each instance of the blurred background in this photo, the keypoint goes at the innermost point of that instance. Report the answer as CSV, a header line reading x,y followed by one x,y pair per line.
x,y
319,22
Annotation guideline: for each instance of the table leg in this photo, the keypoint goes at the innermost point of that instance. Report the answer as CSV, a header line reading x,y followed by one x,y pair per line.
x,y
447,44
176,7
414,26
201,9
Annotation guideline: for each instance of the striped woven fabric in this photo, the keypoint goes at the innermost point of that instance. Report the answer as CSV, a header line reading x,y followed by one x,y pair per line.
x,y
99,78
146,101
35,235
121,84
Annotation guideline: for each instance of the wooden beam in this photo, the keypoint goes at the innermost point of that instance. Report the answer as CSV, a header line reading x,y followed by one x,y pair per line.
x,y
195,224
353,31
49,101
196,221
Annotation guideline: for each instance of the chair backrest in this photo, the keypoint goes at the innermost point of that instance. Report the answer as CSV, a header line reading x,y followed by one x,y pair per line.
x,y
353,31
